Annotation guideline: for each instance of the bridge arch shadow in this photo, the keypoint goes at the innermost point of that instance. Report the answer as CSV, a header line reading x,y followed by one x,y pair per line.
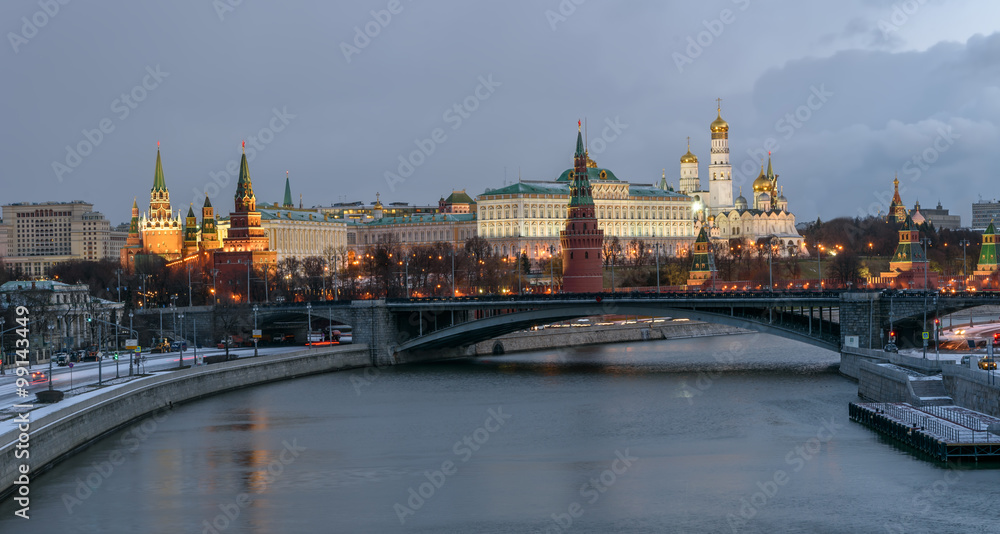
x,y
468,333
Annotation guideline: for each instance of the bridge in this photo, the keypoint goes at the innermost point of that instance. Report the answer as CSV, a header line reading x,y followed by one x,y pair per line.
x,y
400,330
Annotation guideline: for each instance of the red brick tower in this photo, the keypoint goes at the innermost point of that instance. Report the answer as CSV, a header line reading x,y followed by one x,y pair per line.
x,y
245,248
582,239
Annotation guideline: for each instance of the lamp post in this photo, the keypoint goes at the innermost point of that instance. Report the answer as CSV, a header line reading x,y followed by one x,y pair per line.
x,y
215,296
552,270
770,262
614,253
819,267
249,262
180,345
131,351
309,310
657,268
49,327
3,355
924,241
965,264
119,273
255,330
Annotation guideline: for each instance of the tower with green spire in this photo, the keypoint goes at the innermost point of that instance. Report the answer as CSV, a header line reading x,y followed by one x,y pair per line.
x,y
988,252
160,230
702,261
190,233
209,231
246,246
287,202
582,239
909,253
159,195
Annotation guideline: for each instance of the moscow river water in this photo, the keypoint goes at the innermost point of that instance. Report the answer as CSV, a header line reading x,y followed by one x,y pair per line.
x,y
744,433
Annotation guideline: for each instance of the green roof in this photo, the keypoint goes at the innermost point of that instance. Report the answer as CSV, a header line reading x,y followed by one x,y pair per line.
x,y
459,197
243,187
522,188
418,218
593,173
288,194
291,215
159,184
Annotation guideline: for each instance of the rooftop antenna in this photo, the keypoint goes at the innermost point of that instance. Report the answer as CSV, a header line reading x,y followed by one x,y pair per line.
x,y
518,174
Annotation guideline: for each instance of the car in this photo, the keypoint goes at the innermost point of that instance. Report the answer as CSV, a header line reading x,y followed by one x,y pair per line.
x,y
987,364
61,358
38,376
178,345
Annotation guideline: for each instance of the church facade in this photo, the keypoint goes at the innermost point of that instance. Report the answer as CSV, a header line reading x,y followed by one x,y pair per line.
x,y
765,216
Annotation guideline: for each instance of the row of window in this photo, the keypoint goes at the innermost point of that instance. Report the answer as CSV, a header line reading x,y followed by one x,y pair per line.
x,y
608,212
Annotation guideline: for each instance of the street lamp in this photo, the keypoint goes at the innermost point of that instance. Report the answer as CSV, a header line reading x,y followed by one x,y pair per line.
x,y
965,265
552,270
215,296
657,268
132,351
50,327
819,266
3,355
770,262
309,328
180,345
255,330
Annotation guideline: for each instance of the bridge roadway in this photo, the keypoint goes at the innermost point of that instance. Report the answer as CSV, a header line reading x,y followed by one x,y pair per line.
x,y
395,329
807,317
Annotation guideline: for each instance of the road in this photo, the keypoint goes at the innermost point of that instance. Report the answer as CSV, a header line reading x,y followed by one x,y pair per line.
x,y
84,373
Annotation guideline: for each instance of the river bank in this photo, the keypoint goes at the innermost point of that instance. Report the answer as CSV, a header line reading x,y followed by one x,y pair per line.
x,y
591,334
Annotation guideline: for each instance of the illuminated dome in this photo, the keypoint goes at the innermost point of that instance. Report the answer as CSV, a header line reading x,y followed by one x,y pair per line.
x,y
761,184
689,157
719,125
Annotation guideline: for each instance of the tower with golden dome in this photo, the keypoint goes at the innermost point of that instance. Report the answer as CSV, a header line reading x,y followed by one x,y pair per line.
x,y
689,172
720,172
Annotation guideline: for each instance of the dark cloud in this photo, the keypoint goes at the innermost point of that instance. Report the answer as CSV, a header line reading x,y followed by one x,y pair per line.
x,y
346,123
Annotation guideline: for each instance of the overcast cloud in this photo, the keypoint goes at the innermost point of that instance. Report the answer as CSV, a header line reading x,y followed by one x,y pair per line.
x,y
844,94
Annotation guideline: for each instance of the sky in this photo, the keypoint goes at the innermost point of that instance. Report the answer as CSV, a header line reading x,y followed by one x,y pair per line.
x,y
410,99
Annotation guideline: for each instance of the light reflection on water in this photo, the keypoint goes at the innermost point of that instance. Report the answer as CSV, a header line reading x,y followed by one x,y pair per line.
x,y
711,421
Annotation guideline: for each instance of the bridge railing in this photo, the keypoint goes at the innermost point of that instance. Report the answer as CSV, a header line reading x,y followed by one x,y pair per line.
x,y
599,297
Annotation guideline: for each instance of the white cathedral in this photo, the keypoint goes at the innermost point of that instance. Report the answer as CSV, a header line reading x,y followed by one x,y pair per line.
x,y
727,219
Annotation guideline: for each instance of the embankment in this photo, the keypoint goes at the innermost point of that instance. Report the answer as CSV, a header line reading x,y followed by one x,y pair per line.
x,y
573,336
60,432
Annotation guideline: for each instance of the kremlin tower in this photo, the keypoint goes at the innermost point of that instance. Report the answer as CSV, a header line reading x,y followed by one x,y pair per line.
x,y
246,243
160,229
582,239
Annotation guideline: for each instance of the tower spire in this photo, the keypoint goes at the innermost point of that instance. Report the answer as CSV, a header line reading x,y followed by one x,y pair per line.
x,y
159,184
287,202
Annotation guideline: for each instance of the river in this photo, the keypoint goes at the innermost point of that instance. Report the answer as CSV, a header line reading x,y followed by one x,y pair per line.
x,y
745,433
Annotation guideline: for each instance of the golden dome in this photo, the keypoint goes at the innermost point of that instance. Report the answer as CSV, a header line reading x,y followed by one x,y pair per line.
x,y
689,157
719,125
761,184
